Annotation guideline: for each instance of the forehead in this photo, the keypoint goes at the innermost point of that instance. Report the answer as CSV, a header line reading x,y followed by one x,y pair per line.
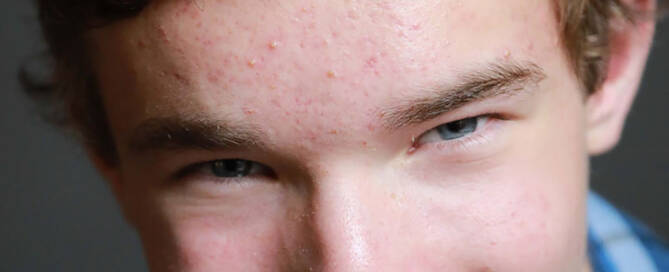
x,y
311,66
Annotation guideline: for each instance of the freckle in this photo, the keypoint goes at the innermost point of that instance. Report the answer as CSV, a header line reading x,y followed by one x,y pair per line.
x,y
141,44
334,132
393,196
331,74
272,87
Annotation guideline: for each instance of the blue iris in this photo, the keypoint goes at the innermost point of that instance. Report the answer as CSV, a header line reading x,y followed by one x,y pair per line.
x,y
457,129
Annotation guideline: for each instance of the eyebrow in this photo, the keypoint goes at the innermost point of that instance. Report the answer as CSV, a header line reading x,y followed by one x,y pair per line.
x,y
176,133
493,80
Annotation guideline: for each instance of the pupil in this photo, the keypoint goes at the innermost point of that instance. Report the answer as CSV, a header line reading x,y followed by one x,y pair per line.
x,y
231,168
456,126
457,129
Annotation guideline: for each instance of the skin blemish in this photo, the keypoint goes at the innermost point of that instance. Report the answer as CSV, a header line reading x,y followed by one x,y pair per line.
x,y
252,63
273,45
371,62
507,54
334,132
249,111
331,74
212,77
371,127
162,34
141,44
180,78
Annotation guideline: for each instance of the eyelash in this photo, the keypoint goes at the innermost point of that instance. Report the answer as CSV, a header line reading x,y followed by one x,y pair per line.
x,y
480,136
204,169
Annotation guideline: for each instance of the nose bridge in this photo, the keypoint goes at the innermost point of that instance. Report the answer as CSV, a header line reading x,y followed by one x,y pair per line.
x,y
344,213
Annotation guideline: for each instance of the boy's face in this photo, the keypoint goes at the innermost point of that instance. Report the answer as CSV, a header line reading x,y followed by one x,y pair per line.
x,y
342,135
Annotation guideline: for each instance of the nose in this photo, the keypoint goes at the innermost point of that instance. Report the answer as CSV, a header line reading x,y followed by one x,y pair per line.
x,y
347,221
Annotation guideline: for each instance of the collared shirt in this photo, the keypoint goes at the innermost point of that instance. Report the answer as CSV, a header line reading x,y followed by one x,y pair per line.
x,y
619,243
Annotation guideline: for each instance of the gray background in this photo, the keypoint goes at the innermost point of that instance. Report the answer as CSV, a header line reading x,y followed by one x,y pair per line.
x,y
56,214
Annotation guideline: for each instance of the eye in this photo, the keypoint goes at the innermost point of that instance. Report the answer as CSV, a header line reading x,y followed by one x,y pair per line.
x,y
226,169
234,168
453,130
457,129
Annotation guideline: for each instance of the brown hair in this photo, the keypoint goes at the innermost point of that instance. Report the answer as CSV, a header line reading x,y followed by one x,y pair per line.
x,y
71,93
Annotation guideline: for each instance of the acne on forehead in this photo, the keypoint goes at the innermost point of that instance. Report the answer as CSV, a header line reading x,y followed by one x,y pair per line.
x,y
305,59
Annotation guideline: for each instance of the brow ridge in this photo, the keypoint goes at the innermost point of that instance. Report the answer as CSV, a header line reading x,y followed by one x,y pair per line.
x,y
173,133
493,81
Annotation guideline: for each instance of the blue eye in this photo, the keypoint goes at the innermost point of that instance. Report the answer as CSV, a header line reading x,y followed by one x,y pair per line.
x,y
453,130
232,168
457,129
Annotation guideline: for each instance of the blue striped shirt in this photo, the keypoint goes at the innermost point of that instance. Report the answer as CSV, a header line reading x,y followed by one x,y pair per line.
x,y
618,243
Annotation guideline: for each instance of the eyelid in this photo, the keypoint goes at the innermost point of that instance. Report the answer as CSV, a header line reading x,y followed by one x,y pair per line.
x,y
481,121
203,170
483,134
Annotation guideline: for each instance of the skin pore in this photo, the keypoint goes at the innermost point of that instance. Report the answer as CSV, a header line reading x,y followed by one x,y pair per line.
x,y
371,135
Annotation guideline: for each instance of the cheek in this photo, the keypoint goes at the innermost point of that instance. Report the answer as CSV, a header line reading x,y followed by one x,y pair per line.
x,y
516,223
228,232
521,209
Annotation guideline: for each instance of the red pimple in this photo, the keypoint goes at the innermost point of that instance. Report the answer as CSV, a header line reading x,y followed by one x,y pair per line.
x,y
162,34
212,77
141,44
371,62
252,63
